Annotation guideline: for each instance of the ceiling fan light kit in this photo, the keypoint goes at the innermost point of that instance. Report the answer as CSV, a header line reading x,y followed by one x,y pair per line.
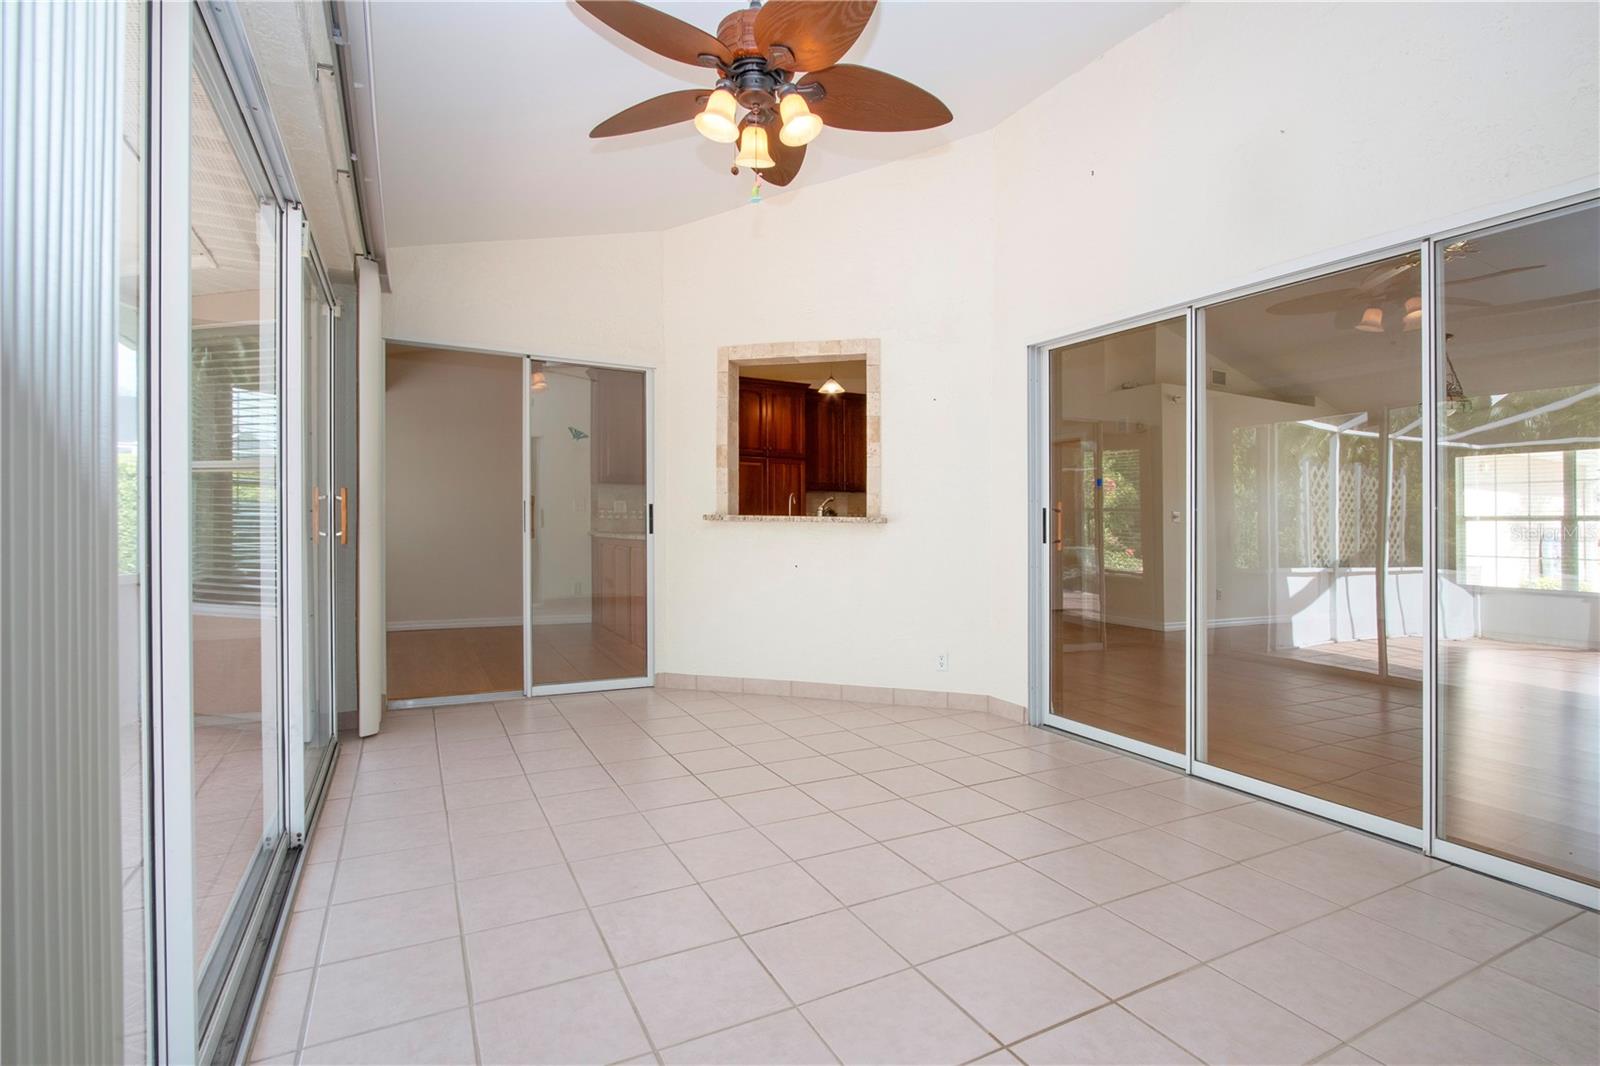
x,y
719,121
778,61
753,153
800,125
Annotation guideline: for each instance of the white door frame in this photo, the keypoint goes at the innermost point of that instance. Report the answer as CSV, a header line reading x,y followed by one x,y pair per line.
x,y
174,1026
529,688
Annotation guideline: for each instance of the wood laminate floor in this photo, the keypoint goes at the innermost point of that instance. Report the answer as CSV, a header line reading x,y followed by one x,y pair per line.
x,y
1520,727
428,663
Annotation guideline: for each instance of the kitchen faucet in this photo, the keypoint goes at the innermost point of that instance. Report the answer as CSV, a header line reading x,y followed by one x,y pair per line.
x,y
822,508
791,505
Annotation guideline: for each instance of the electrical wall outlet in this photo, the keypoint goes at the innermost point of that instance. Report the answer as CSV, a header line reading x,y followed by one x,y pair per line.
x,y
941,661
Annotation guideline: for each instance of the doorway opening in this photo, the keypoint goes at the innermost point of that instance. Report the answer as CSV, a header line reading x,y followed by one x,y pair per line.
x,y
518,523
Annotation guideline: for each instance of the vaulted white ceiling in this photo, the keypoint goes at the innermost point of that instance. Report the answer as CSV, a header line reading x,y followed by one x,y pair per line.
x,y
484,109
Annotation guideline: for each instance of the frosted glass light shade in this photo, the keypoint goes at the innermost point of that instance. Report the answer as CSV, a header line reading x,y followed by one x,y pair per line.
x,y
831,387
717,121
800,126
753,149
1413,316
1371,320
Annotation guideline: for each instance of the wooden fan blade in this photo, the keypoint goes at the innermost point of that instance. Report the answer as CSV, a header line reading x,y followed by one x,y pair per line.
x,y
860,98
1494,274
788,159
659,32
1319,303
664,110
816,33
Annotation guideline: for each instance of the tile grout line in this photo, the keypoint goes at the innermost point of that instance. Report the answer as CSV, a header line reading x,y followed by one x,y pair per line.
x,y
575,724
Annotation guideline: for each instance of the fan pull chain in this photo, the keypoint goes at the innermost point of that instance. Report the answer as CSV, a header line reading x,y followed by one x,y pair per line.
x,y
755,190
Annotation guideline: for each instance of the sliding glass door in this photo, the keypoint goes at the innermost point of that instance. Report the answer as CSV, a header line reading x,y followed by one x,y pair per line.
x,y
325,522
1117,444
518,526
1313,602
1518,594
236,522
1335,541
588,536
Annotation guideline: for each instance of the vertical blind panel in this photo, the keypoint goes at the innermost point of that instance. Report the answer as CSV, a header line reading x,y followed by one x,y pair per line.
x,y
60,896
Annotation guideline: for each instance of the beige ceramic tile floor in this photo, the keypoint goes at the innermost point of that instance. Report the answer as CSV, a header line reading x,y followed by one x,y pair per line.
x,y
684,877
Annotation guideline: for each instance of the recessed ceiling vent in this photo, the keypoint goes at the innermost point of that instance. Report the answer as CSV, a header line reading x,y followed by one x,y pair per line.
x,y
1219,377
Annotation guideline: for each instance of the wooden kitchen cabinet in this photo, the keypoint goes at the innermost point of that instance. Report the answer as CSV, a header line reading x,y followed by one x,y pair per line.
x,y
753,485
786,486
616,421
855,441
620,604
836,459
783,421
772,446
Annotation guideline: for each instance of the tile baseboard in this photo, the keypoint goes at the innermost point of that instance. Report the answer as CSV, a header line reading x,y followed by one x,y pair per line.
x,y
820,690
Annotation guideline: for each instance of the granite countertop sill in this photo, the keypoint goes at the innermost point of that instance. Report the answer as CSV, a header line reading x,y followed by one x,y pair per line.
x,y
848,520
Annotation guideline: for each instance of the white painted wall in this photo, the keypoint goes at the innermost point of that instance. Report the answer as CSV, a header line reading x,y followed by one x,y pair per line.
x,y
1212,148
594,299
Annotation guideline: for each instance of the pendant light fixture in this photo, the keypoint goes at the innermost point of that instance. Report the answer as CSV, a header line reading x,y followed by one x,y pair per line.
x,y
753,149
831,387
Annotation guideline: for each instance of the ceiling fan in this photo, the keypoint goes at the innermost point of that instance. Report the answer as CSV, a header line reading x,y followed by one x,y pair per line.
x,y
1385,300
777,61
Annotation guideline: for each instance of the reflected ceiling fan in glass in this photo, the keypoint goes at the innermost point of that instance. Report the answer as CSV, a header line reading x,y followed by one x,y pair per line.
x,y
1383,299
779,63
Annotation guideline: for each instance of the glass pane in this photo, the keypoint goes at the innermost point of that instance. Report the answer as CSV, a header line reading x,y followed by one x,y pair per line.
x,y
1312,587
321,523
586,468
453,514
234,412
131,568
1519,544
1117,470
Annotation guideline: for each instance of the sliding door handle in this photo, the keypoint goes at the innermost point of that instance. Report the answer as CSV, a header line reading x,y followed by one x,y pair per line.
x,y
343,497
533,518
1058,526
316,512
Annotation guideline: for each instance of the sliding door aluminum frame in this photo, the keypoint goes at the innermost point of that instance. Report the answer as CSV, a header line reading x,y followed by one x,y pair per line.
x,y
227,973
296,633
1427,240
183,1019
529,689
1040,709
173,1023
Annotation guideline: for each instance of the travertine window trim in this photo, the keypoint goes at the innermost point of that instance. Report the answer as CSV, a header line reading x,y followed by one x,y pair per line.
x,y
734,358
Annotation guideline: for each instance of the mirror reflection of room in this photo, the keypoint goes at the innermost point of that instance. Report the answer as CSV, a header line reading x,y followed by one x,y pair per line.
x,y
1116,534
803,438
